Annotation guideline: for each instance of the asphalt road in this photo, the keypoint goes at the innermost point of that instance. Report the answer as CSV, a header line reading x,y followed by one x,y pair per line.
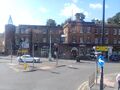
x,y
68,77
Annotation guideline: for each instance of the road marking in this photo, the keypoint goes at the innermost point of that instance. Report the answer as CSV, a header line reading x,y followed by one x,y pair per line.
x,y
46,67
82,86
15,69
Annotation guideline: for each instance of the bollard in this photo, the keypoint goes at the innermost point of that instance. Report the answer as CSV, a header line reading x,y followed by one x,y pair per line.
x,y
25,66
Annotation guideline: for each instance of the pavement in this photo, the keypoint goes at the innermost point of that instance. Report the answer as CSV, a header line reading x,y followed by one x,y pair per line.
x,y
109,83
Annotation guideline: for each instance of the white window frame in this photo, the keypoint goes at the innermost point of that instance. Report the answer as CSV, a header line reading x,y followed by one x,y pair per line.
x,y
81,39
88,29
114,31
81,29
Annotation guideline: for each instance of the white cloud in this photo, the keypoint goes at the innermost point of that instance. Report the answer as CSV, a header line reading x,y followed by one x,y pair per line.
x,y
97,6
43,10
74,1
20,15
71,9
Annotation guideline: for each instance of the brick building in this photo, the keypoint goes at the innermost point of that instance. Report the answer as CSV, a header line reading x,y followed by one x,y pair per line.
x,y
82,36
29,37
75,37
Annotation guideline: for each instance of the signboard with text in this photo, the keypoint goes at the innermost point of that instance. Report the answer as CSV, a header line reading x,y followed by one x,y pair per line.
x,y
101,48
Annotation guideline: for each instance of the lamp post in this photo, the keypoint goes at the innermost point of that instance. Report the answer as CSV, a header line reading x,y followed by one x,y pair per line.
x,y
50,47
103,25
103,22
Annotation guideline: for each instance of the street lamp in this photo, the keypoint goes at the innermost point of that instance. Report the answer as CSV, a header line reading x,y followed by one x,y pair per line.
x,y
50,47
103,25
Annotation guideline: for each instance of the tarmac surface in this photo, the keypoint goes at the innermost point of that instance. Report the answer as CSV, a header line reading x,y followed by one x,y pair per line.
x,y
109,79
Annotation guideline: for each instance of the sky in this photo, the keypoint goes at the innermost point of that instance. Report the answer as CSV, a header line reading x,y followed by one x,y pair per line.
x,y
37,12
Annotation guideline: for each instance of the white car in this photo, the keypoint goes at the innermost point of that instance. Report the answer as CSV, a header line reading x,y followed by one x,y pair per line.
x,y
28,58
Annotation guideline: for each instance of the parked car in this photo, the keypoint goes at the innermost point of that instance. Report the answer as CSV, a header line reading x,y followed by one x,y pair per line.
x,y
115,57
28,58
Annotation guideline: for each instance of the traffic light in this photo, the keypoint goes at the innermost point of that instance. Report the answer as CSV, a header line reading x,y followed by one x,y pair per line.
x,y
92,54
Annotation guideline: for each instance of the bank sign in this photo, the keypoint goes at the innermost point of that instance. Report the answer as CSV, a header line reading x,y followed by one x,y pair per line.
x,y
101,48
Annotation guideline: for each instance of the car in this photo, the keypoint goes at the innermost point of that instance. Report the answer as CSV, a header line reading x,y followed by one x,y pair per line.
x,y
114,58
28,58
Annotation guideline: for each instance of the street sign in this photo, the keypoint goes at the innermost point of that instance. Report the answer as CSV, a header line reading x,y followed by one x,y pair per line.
x,y
23,51
101,48
101,61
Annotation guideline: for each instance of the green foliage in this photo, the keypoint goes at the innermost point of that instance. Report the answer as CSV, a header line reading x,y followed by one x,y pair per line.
x,y
80,16
66,21
96,21
115,19
51,22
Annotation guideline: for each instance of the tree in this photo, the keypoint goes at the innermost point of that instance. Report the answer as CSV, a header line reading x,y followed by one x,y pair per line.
x,y
80,16
51,22
96,21
66,21
115,19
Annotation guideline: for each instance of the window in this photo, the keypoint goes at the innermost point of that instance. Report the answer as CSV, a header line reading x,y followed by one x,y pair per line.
x,y
96,40
115,41
114,31
81,30
44,31
44,40
22,30
27,40
119,41
88,40
17,31
118,31
106,31
96,31
100,40
74,39
106,40
88,29
73,30
81,40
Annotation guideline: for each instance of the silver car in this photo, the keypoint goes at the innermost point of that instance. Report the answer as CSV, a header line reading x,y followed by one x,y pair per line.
x,y
28,58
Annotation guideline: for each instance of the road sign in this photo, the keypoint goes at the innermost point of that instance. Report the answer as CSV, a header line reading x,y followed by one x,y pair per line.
x,y
101,63
101,48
